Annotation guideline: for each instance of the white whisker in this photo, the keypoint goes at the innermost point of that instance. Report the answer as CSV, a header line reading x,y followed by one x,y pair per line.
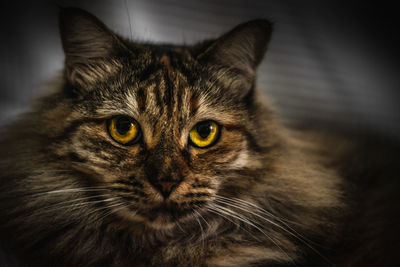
x,y
216,211
201,228
88,189
77,200
69,190
201,216
267,213
111,210
290,230
74,206
259,216
180,227
241,217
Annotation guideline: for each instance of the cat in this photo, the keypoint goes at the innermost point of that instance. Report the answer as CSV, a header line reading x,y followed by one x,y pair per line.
x,y
165,155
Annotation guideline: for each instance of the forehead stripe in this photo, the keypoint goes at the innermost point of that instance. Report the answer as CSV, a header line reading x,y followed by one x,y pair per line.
x,y
141,99
166,62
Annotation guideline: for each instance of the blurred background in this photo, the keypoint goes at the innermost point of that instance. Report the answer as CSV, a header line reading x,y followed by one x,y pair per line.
x,y
329,63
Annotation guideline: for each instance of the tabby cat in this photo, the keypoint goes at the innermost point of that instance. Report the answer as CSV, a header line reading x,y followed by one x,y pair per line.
x,y
164,155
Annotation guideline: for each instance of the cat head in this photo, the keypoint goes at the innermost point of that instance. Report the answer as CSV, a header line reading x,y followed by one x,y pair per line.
x,y
164,129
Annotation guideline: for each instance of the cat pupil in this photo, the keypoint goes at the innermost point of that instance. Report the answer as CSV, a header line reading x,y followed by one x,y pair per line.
x,y
123,125
204,129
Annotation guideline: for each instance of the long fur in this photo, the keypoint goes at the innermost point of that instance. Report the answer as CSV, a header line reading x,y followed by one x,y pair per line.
x,y
263,195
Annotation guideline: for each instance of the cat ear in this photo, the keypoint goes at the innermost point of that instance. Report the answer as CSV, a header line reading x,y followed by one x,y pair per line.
x,y
89,47
239,52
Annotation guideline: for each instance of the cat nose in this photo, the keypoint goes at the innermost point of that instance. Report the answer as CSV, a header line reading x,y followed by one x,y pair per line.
x,y
166,187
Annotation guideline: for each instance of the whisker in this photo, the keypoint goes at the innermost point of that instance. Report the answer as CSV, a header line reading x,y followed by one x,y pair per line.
x,y
237,216
129,17
42,171
217,212
241,217
268,213
88,189
290,230
250,204
201,216
77,200
180,226
201,229
74,206
69,190
111,210
259,216
265,212
117,209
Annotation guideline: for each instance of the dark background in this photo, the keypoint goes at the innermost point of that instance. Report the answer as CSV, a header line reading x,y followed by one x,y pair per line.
x,y
330,63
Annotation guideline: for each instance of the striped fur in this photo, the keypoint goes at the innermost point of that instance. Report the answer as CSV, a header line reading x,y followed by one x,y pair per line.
x,y
71,196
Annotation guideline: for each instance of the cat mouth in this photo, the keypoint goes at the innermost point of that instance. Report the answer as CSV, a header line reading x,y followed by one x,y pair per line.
x,y
167,211
166,215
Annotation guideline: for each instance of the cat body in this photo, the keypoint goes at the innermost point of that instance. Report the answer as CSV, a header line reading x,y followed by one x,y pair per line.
x,y
76,190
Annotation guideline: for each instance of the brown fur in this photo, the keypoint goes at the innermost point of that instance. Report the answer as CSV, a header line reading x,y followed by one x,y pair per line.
x,y
71,196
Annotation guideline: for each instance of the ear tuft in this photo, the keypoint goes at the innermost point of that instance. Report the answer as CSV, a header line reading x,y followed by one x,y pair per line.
x,y
234,57
242,48
87,45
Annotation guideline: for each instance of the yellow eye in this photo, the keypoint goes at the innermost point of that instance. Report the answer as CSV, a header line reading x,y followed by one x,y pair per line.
x,y
204,134
124,130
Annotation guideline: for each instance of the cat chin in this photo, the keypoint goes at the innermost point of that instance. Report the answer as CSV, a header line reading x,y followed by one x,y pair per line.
x,y
161,224
166,223
159,218
158,223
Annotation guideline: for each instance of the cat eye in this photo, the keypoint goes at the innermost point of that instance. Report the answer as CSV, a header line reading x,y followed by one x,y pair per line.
x,y
124,130
204,134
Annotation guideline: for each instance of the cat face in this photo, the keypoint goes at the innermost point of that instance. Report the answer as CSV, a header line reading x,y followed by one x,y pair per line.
x,y
160,154
165,129
163,172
